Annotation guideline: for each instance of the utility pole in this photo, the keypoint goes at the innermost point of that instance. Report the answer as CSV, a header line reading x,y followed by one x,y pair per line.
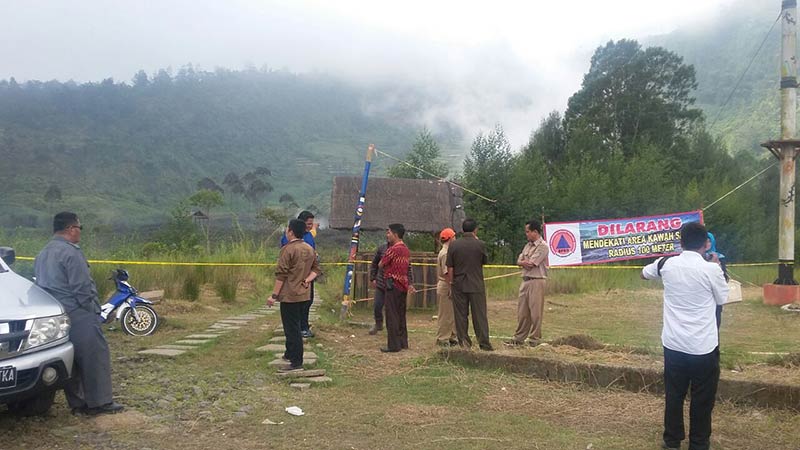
x,y
785,289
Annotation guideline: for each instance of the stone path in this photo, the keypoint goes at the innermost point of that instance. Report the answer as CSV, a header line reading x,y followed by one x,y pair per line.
x,y
209,335
299,380
302,379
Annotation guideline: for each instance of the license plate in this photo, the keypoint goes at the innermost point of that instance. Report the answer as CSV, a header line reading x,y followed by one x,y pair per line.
x,y
8,377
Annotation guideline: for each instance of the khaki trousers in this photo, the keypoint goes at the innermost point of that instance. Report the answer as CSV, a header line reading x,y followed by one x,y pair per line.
x,y
447,320
530,310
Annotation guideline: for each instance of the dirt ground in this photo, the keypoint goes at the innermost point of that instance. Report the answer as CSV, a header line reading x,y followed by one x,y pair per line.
x,y
223,394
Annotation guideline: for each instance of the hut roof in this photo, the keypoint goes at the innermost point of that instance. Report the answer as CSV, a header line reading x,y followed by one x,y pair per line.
x,y
420,205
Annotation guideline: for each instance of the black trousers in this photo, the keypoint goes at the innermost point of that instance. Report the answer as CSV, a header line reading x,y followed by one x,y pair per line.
x,y
90,384
291,317
396,329
463,303
378,307
681,371
304,326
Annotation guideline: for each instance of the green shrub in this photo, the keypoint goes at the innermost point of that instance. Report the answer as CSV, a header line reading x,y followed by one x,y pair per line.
x,y
191,286
226,281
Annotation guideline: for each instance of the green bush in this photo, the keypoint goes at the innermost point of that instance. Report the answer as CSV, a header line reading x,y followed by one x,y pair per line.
x,y
226,281
191,286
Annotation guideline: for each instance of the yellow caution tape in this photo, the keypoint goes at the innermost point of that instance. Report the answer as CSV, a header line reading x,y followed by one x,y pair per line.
x,y
488,266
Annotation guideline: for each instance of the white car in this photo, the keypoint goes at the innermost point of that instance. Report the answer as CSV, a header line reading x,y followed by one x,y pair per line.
x,y
35,352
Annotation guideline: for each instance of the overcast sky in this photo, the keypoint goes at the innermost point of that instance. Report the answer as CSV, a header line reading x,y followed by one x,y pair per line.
x,y
507,62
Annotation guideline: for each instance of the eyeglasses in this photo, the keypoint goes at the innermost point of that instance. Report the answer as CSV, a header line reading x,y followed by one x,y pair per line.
x,y
80,227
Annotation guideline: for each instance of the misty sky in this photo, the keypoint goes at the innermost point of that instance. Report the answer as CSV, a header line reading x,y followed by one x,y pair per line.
x,y
507,62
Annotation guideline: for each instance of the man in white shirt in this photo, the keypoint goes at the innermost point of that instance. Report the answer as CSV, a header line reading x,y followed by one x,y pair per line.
x,y
693,287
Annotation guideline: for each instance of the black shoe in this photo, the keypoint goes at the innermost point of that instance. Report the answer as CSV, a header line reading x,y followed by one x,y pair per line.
x,y
284,358
534,343
108,408
513,343
487,348
375,328
388,350
79,412
452,343
666,446
307,334
291,369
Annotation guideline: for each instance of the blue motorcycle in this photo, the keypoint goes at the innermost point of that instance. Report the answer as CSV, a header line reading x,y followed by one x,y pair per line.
x,y
134,312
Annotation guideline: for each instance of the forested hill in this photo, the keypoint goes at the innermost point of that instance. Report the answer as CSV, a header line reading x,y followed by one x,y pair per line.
x,y
128,152
720,52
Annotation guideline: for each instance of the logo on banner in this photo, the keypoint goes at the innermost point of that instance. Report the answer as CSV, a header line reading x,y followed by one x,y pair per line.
x,y
563,243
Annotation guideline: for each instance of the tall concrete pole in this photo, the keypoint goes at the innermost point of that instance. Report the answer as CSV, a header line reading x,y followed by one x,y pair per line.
x,y
788,134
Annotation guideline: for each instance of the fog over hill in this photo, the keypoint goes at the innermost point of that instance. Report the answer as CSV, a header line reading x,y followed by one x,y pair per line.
x,y
315,84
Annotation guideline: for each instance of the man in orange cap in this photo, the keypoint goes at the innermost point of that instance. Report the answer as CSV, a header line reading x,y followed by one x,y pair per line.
x,y
446,336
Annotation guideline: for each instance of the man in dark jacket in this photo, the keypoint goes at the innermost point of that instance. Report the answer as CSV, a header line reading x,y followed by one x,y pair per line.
x,y
465,260
61,269
376,281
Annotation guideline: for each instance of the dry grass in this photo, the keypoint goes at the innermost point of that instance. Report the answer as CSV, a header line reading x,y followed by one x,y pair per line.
x,y
580,341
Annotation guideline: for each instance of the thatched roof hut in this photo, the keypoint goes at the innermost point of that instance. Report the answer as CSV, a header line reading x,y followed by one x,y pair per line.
x,y
420,205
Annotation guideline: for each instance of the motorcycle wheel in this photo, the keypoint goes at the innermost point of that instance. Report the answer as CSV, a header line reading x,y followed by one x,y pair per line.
x,y
147,324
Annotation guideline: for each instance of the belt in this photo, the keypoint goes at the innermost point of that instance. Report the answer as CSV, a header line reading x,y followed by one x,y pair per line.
x,y
533,278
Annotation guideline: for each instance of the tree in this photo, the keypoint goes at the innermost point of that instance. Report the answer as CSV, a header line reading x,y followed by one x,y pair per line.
x,y
234,185
632,96
257,189
179,235
424,155
249,177
205,199
274,219
53,194
210,185
487,169
231,179
238,188
262,171
140,80
548,141
162,78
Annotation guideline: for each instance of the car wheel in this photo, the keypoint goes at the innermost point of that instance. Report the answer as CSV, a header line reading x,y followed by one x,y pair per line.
x,y
34,406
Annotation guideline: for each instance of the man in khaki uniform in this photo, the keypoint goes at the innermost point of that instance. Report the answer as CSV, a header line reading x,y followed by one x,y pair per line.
x,y
446,336
533,261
